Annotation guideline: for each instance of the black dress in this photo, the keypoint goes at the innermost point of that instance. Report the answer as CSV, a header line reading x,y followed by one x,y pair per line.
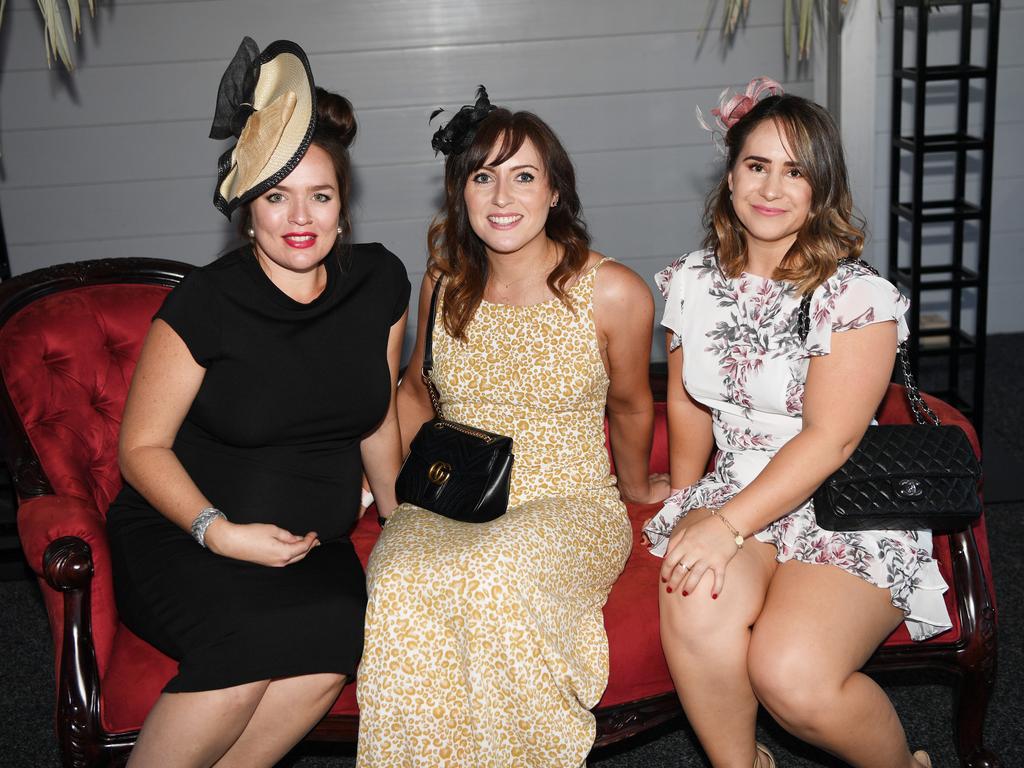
x,y
272,437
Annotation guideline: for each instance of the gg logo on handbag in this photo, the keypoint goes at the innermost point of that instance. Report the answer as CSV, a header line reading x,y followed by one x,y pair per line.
x,y
439,472
471,483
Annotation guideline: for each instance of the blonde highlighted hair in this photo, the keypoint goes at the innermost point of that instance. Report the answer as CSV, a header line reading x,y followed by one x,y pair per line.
x,y
832,230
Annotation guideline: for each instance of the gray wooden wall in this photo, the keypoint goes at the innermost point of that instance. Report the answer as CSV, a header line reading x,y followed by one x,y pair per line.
x,y
115,161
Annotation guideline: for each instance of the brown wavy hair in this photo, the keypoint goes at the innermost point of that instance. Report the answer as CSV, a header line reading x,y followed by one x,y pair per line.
x,y
457,253
832,230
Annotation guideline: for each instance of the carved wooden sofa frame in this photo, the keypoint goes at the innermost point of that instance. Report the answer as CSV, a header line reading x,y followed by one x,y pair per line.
x,y
58,524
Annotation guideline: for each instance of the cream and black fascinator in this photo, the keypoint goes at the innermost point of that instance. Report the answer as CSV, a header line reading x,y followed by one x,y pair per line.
x,y
268,101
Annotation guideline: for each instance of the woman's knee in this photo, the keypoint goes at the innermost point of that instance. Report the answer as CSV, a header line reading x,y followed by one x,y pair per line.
x,y
697,616
238,699
315,690
790,684
330,686
695,622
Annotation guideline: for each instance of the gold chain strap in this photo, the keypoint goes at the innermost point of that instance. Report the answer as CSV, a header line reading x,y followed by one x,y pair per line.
x,y
464,430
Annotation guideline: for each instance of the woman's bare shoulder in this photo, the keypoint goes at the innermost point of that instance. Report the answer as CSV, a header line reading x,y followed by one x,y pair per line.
x,y
617,282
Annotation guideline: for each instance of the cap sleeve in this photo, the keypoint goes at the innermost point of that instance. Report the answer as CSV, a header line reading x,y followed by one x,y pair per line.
x,y
398,282
670,282
402,290
191,311
851,299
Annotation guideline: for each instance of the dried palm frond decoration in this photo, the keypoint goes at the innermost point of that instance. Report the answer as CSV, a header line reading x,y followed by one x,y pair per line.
x,y
797,18
55,33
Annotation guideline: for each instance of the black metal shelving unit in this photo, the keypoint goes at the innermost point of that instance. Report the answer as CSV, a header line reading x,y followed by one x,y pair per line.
x,y
953,349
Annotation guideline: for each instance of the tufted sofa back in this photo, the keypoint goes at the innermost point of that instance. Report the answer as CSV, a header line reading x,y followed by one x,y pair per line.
x,y
66,359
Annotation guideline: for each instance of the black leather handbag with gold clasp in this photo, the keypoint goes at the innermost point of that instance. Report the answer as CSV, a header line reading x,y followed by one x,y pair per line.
x,y
455,470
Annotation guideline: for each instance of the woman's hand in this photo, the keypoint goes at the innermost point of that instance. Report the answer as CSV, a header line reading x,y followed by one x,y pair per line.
x,y
693,550
658,489
259,543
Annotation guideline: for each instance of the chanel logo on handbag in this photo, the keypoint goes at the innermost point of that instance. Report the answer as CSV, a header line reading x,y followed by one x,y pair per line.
x,y
439,472
910,489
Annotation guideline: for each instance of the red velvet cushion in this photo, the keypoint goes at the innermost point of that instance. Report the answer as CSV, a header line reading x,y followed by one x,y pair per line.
x,y
68,379
637,667
135,677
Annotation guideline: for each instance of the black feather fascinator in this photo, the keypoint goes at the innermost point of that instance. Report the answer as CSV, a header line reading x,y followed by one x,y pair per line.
x,y
457,134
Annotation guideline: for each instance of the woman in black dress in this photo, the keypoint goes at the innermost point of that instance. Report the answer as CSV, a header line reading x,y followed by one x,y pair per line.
x,y
264,389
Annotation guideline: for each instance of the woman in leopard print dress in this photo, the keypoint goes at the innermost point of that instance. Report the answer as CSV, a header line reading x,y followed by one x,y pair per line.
x,y
485,643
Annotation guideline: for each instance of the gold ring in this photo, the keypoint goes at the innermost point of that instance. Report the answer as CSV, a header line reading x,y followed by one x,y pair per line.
x,y
683,566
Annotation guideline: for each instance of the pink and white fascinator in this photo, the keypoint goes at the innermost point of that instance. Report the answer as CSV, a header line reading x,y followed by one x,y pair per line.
x,y
731,109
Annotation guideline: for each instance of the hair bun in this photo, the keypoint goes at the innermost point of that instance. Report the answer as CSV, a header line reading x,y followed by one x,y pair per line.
x,y
334,115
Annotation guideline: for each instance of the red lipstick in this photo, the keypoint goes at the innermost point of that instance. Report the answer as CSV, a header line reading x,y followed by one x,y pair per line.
x,y
300,239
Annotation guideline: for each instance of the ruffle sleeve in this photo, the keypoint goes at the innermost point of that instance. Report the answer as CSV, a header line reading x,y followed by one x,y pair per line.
x,y
851,299
670,282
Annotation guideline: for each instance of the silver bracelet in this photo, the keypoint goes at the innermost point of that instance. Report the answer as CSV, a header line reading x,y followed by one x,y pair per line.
x,y
203,521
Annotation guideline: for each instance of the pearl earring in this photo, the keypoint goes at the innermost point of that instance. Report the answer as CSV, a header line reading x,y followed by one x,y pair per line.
x,y
341,229
251,233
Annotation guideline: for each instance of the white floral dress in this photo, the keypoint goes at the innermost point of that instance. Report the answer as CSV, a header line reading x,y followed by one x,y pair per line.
x,y
746,361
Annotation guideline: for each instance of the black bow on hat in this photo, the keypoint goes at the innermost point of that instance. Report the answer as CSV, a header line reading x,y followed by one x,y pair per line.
x,y
236,91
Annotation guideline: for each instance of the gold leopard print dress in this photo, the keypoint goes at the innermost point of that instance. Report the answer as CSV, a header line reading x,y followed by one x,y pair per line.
x,y
485,643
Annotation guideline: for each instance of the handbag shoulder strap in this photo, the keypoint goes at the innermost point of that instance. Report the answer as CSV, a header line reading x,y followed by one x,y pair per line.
x,y
918,407
428,350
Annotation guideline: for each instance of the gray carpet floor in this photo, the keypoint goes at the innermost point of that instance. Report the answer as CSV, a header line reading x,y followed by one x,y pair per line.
x,y
26,662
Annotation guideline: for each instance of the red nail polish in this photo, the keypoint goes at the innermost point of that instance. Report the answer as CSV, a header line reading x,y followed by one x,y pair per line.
x,y
663,580
669,590
685,593
714,596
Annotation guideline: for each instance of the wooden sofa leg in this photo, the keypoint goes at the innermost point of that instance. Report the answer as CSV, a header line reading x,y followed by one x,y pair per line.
x,y
972,693
68,567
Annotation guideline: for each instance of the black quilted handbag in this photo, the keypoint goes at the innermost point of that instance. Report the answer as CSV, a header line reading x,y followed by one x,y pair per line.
x,y
904,476
453,469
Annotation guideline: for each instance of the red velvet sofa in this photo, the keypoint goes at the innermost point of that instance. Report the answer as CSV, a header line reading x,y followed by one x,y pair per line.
x,y
69,339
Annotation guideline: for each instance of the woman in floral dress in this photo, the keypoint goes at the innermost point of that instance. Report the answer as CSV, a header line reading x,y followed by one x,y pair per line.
x,y
759,604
